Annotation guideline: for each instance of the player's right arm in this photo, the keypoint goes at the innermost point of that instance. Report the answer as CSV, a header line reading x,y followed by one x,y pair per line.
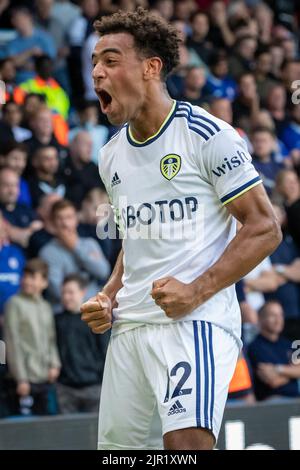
x,y
97,311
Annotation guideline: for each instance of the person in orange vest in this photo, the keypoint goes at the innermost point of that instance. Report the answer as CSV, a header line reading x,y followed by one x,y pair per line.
x,y
240,387
43,83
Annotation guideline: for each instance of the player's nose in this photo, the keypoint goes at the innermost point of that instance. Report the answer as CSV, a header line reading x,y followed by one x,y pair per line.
x,y
98,72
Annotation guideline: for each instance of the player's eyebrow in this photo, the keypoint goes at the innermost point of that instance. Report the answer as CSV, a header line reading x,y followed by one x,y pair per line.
x,y
105,51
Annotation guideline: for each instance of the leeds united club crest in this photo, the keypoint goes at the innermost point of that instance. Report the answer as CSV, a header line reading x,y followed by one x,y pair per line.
x,y
170,165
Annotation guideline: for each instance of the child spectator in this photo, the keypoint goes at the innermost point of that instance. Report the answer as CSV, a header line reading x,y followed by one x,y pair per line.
x,y
82,353
29,333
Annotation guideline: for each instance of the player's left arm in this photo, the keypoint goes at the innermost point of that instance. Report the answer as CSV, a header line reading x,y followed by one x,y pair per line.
x,y
259,236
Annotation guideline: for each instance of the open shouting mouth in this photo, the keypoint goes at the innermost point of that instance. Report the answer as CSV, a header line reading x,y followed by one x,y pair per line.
x,y
105,100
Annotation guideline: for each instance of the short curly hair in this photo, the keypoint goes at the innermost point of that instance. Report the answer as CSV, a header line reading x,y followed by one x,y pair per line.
x,y
152,35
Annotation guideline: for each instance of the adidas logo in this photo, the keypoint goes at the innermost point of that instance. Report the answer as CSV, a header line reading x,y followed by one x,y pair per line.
x,y
115,180
176,408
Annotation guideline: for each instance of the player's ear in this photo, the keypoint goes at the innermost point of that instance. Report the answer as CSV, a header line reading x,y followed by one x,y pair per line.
x,y
153,67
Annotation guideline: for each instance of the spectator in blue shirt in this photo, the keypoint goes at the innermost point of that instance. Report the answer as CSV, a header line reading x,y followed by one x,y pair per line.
x,y
29,43
286,263
291,133
219,84
271,356
11,267
263,141
15,156
20,220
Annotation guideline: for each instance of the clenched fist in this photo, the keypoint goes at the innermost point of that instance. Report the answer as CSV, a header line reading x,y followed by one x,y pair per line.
x,y
176,298
97,313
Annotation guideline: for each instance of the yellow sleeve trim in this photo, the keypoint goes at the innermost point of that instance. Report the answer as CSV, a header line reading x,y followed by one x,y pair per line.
x,y
242,192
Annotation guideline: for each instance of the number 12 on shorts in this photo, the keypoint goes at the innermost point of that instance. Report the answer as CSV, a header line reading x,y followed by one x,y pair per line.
x,y
179,390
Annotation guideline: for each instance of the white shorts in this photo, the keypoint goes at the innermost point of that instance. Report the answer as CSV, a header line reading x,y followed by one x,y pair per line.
x,y
161,378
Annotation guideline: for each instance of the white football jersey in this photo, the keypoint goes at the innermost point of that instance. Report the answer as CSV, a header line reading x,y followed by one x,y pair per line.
x,y
169,194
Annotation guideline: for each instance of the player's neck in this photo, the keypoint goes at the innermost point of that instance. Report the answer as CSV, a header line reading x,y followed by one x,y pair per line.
x,y
152,115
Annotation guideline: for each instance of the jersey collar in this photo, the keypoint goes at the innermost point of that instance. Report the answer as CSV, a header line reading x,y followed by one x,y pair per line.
x,y
160,131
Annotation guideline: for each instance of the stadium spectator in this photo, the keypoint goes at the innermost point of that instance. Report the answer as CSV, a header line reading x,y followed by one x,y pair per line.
x,y
92,215
290,72
81,352
262,71
193,85
30,338
221,108
41,237
290,134
46,20
198,39
66,13
8,75
43,83
45,131
248,313
15,156
12,117
246,105
219,84
164,8
242,60
68,253
29,43
88,117
220,33
288,186
276,105
263,14
87,66
263,141
260,280
286,263
277,58
270,355
47,177
20,219
241,388
11,267
81,28
80,173
32,103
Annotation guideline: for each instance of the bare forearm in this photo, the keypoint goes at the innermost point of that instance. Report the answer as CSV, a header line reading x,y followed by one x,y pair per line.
x,y
266,282
20,235
290,371
228,37
292,271
21,59
249,247
114,284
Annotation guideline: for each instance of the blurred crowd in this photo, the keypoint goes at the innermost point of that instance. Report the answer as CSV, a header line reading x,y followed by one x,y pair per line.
x,y
240,60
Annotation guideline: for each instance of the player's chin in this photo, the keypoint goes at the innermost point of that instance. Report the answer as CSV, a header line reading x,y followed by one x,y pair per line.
x,y
115,120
